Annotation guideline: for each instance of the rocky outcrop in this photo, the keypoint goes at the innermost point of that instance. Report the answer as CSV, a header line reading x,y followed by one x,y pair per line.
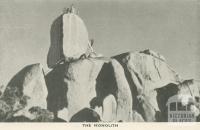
x,y
85,115
154,54
123,94
25,90
80,79
75,36
84,86
113,89
128,87
152,72
189,87
109,108
136,117
146,71
68,90
146,109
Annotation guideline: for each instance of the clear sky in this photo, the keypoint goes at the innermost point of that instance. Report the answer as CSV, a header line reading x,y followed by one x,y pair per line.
x,y
170,27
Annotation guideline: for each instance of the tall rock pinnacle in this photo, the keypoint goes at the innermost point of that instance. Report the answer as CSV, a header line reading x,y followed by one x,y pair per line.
x,y
69,38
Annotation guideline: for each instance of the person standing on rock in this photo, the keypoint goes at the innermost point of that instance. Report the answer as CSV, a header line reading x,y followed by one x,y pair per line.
x,y
70,10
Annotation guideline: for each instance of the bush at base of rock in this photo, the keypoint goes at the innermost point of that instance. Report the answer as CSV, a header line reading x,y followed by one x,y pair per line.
x,y
41,115
4,110
14,98
38,114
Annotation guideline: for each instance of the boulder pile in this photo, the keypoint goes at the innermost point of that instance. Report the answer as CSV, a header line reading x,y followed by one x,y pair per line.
x,y
86,86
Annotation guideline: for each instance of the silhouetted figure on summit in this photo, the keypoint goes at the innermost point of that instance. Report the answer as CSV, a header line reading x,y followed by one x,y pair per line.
x,y
70,10
65,10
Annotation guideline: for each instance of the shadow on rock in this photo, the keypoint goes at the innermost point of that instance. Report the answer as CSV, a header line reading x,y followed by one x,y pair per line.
x,y
131,83
146,109
56,51
57,91
58,120
163,94
86,115
105,84
19,119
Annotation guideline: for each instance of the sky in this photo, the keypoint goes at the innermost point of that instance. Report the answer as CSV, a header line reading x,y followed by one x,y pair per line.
x,y
170,27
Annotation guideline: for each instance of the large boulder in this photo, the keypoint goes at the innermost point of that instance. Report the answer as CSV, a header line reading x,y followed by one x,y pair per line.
x,y
86,115
80,80
137,117
146,109
109,108
75,36
189,87
25,90
123,95
150,69
111,81
146,71
69,39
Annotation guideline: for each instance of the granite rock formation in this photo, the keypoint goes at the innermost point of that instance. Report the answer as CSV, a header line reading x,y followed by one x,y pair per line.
x,y
26,90
85,86
69,38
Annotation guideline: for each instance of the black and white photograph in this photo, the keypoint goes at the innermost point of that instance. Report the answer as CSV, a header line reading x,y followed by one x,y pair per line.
x,y
99,61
